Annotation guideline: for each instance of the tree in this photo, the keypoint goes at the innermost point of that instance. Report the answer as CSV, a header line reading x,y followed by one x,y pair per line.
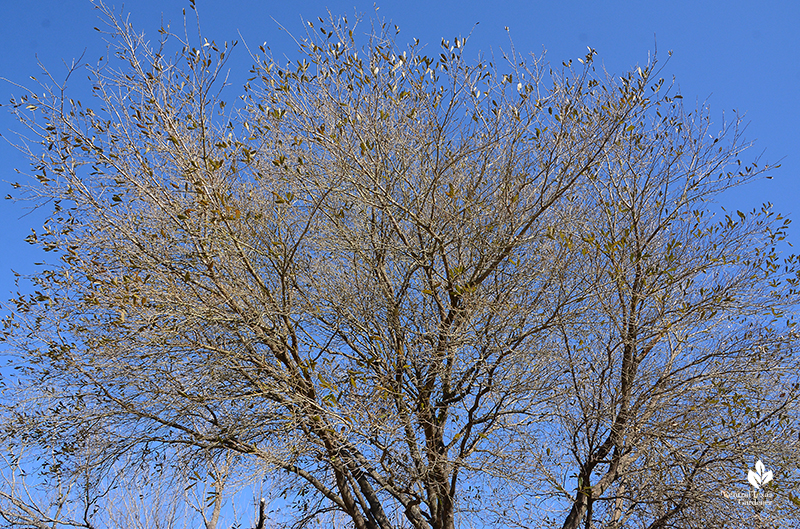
x,y
677,371
131,495
405,290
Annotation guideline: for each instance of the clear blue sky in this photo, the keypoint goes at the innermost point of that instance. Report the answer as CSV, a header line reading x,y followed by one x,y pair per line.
x,y
737,54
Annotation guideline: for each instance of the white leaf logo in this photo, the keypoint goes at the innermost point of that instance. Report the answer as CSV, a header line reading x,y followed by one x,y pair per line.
x,y
759,477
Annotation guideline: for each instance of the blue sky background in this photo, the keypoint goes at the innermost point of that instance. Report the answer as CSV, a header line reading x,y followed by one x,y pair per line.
x,y
742,55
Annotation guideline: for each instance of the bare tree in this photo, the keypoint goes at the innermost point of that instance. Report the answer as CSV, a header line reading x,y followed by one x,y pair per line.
x,y
130,494
415,290
680,370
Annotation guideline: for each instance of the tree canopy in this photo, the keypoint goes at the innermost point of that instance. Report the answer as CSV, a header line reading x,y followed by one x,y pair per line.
x,y
399,288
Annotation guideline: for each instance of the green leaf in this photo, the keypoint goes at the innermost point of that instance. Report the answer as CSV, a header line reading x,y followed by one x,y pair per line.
x,y
795,500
